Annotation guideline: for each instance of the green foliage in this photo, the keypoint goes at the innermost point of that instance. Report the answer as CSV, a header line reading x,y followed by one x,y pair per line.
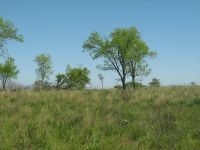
x,y
141,69
130,85
123,51
155,82
77,78
8,70
74,78
117,86
61,80
136,84
8,32
44,68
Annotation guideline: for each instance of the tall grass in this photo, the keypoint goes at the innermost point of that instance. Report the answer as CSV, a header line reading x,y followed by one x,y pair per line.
x,y
151,118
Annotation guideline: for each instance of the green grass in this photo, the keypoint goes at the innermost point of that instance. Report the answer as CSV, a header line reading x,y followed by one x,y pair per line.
x,y
152,118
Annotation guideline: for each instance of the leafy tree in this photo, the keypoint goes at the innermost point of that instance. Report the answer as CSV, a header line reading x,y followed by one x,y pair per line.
x,y
61,80
44,69
123,52
114,57
101,79
77,78
137,51
74,78
8,32
8,70
155,82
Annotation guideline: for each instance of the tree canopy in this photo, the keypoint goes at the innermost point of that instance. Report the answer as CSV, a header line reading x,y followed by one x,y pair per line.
x,y
74,78
8,32
123,51
44,68
8,70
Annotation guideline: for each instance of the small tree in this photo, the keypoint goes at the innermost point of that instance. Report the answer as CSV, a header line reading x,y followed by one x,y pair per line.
x,y
44,69
7,32
8,70
77,78
155,82
101,79
74,78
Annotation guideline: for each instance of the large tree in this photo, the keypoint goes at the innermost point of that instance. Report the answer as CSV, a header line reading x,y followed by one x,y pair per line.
x,y
114,57
44,68
7,32
138,51
8,70
123,51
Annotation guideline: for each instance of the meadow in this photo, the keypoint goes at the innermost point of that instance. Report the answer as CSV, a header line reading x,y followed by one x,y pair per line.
x,y
160,118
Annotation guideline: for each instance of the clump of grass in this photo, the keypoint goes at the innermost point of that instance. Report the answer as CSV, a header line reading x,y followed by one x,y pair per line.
x,y
164,129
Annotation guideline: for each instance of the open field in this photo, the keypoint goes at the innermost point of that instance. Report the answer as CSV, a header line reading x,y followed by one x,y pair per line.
x,y
153,118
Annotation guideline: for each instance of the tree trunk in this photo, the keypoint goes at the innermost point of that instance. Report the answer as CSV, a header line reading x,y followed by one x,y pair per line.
x,y
133,81
43,80
133,67
123,84
4,84
102,84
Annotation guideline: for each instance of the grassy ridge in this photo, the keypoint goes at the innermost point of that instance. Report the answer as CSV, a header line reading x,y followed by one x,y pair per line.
x,y
152,118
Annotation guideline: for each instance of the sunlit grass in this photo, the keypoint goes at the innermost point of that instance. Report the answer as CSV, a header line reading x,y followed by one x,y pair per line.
x,y
151,118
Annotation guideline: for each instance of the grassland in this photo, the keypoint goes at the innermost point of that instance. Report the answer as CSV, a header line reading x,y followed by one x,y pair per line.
x,y
152,118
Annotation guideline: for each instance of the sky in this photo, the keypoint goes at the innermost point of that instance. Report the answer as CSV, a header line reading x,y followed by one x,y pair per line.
x,y
59,28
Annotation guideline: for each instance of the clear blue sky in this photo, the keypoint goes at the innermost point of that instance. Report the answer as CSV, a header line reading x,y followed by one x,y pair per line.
x,y
58,27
